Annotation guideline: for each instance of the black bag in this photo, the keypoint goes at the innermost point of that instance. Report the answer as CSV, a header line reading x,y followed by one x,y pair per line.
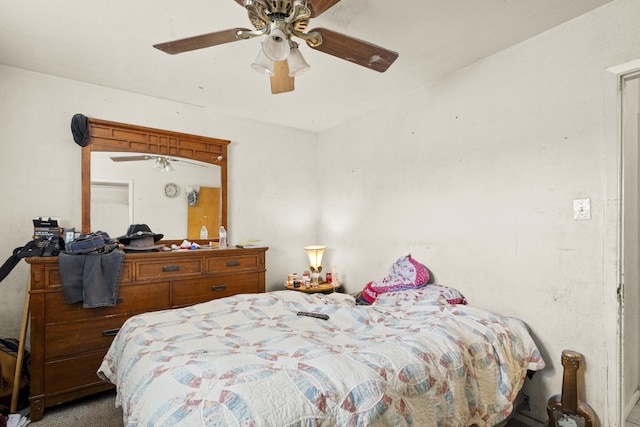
x,y
45,246
97,241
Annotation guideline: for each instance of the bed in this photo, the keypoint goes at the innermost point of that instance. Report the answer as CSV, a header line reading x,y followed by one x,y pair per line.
x,y
412,358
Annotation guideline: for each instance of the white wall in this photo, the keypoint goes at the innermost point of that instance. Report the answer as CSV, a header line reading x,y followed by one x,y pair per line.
x,y
476,177
40,168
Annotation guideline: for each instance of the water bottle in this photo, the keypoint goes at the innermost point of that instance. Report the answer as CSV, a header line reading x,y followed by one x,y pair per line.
x,y
204,233
222,242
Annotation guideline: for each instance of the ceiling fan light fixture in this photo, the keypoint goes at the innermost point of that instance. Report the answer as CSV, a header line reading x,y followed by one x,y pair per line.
x,y
297,64
162,165
263,65
276,46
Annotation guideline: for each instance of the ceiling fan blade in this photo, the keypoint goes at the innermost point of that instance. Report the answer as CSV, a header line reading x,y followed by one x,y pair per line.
x,y
175,159
130,158
319,6
355,50
280,81
152,157
199,42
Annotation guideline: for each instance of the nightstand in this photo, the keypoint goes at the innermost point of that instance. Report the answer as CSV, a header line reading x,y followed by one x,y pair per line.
x,y
323,287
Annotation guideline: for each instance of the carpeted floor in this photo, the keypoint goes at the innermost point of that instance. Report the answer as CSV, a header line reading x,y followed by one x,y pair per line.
x,y
100,411
94,411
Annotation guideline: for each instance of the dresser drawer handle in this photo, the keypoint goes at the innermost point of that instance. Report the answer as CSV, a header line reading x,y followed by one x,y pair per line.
x,y
218,288
110,332
120,300
233,263
169,268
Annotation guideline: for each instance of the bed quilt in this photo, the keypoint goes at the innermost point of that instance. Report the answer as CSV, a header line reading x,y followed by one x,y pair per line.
x,y
250,360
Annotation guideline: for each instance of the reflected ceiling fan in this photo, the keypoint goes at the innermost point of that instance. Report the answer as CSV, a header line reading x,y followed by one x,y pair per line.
x,y
279,57
162,163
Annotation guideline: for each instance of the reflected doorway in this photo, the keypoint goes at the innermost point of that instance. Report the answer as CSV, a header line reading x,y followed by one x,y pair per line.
x,y
112,205
205,212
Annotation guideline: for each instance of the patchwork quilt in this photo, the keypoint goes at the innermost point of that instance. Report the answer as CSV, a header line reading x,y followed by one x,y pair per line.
x,y
250,360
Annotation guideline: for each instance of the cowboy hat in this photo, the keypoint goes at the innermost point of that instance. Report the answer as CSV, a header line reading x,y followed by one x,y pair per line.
x,y
139,237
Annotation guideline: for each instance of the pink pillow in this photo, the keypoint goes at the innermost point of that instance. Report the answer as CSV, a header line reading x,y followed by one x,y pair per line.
x,y
405,273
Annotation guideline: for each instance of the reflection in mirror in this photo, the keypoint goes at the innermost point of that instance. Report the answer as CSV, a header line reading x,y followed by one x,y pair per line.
x,y
143,195
111,203
129,188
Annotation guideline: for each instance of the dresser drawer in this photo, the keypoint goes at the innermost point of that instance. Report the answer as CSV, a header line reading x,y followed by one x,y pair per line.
x,y
232,264
66,374
165,269
131,299
187,292
52,275
82,336
126,273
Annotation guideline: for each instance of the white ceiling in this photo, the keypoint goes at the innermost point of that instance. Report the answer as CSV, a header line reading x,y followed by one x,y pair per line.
x,y
109,43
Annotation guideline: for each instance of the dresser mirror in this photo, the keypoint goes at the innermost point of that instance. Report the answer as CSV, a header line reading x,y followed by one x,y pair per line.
x,y
173,182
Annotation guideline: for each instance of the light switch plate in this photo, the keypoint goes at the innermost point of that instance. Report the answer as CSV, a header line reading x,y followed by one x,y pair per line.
x,y
581,209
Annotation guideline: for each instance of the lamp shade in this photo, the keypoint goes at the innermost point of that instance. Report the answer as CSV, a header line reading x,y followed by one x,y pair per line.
x,y
315,255
297,64
276,46
263,65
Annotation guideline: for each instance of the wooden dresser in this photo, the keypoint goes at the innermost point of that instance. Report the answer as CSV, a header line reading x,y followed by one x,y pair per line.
x,y
68,341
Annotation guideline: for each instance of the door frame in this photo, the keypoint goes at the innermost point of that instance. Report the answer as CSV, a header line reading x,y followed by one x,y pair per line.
x,y
613,283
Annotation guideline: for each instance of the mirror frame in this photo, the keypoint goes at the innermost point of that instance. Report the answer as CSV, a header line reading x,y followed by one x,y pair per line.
x,y
121,137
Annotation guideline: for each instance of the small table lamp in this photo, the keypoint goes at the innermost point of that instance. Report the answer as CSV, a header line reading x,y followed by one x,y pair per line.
x,y
315,262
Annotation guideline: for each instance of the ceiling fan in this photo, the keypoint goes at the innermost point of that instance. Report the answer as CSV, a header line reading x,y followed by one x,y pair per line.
x,y
162,163
279,57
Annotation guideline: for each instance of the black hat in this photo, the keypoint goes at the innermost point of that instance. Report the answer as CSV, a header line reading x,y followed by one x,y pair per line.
x,y
80,129
139,237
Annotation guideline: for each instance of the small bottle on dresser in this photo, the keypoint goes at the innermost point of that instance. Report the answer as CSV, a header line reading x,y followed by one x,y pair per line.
x,y
222,238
